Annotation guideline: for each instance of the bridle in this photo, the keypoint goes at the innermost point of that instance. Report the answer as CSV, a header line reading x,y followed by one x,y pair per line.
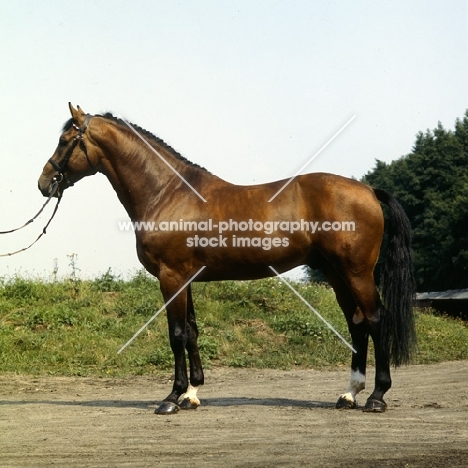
x,y
58,177
62,165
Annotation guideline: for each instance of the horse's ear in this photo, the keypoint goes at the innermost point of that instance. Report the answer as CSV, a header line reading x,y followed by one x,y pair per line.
x,y
77,114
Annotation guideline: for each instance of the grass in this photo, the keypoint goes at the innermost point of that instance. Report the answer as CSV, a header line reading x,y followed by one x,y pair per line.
x,y
75,327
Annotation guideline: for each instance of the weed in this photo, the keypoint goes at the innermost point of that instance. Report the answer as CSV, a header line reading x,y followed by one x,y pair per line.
x,y
75,327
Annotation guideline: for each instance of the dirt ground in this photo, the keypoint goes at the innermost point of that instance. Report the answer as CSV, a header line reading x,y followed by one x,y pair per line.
x,y
248,418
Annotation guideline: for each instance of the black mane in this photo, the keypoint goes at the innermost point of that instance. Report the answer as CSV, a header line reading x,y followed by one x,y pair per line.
x,y
145,133
149,136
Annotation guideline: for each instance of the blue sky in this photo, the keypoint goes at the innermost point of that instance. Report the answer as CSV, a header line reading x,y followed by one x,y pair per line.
x,y
248,89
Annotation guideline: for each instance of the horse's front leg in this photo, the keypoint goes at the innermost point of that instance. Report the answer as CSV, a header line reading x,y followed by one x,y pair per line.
x,y
190,399
177,322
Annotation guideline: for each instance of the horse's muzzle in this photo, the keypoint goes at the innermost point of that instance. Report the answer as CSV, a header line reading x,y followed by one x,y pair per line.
x,y
45,185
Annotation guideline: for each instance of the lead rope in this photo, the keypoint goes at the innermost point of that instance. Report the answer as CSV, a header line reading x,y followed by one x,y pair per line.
x,y
54,189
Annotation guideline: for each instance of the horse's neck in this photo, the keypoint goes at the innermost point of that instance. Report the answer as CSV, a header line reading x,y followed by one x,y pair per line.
x,y
137,173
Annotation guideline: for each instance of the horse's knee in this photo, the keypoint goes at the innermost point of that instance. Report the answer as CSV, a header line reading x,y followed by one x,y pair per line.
x,y
178,339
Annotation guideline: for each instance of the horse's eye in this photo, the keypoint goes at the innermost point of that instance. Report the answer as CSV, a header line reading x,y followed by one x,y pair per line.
x,y
62,142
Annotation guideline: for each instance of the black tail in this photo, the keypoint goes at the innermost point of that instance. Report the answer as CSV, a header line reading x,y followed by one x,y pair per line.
x,y
398,286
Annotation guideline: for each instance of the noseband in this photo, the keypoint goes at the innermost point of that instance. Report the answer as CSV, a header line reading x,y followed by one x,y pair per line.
x,y
62,165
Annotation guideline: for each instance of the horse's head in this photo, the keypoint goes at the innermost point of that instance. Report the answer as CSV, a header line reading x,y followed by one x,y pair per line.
x,y
71,160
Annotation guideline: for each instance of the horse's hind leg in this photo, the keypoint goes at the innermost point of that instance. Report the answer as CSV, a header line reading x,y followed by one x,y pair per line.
x,y
357,382
375,403
190,399
360,338
370,307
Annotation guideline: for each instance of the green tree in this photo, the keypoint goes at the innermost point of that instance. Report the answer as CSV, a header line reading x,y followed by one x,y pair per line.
x,y
432,185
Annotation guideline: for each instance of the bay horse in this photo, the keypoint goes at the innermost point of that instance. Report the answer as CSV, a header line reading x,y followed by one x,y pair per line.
x,y
156,184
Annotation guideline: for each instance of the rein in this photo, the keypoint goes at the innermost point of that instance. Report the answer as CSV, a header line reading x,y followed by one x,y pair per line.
x,y
55,186
58,177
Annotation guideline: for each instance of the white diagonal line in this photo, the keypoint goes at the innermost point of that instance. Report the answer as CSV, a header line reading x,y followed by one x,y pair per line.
x,y
161,309
130,126
312,158
312,309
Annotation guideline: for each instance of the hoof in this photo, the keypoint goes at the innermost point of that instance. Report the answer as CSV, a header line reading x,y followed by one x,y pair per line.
x,y
344,403
167,407
188,404
375,406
